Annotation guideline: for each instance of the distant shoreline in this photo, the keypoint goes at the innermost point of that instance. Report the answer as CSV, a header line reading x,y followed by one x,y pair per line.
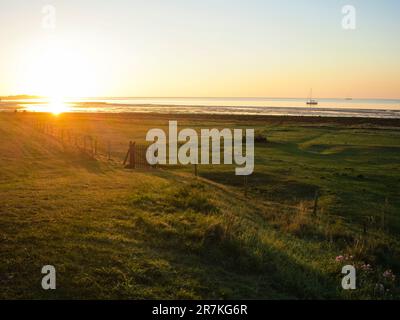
x,y
265,119
19,97
384,112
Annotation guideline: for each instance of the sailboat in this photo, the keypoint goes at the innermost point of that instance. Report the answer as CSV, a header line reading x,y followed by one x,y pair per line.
x,y
348,97
311,101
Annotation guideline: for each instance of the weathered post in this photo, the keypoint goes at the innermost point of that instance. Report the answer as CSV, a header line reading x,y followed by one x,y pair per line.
x,y
128,154
195,169
132,159
91,146
365,227
245,185
383,222
315,208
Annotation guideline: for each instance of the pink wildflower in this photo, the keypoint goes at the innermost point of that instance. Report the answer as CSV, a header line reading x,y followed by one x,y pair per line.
x,y
339,259
389,275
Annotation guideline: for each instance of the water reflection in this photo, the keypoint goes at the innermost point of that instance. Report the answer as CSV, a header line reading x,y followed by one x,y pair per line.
x,y
55,107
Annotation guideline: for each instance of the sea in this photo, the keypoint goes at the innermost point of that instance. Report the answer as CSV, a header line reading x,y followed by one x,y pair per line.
x,y
346,107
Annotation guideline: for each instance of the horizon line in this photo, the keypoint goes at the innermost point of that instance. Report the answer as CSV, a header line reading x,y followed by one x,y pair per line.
x,y
33,96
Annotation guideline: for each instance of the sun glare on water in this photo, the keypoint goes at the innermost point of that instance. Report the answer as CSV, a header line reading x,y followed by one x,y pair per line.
x,y
57,106
53,105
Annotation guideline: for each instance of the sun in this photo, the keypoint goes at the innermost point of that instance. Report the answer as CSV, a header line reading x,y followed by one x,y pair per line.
x,y
56,106
57,69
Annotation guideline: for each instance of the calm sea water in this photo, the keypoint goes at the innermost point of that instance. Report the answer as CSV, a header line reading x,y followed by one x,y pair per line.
x,y
380,108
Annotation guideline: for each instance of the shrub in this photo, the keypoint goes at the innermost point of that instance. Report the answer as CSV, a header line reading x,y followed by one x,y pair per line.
x,y
259,137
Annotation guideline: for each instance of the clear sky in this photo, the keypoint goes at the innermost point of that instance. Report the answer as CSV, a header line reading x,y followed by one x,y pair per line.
x,y
264,48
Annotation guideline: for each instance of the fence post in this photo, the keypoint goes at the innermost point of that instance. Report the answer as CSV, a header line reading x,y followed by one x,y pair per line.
x,y
364,227
245,185
62,136
128,154
383,222
132,160
91,146
315,208
195,169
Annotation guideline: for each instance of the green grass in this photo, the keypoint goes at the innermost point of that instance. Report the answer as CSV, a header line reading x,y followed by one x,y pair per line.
x,y
116,233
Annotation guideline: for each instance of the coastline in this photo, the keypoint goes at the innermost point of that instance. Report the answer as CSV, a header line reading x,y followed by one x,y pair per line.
x,y
237,118
243,111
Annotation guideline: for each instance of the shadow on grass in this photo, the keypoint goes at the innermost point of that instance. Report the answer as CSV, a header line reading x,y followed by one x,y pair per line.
x,y
80,159
266,185
231,268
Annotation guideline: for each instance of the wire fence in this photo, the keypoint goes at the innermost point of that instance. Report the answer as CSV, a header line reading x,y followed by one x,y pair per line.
x,y
94,147
136,157
85,143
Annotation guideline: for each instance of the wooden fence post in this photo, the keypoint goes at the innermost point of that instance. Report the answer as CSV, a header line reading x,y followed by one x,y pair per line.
x,y
132,158
91,146
383,222
128,153
315,208
195,169
245,185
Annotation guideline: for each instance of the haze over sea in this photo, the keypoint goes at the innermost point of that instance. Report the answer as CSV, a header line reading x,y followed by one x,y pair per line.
x,y
378,108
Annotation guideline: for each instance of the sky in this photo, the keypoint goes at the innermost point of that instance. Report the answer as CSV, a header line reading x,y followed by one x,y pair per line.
x,y
191,48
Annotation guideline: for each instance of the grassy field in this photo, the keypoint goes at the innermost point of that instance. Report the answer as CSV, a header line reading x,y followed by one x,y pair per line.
x,y
118,233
